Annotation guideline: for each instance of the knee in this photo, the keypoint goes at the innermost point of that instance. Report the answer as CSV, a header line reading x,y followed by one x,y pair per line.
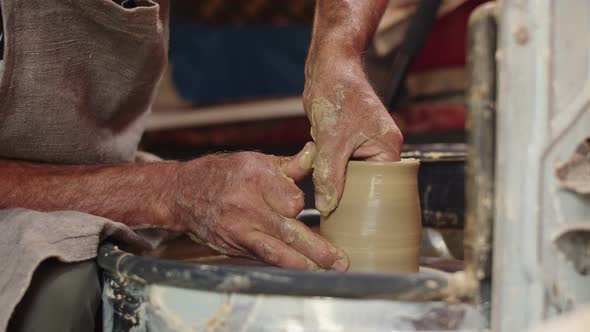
x,y
61,297
73,286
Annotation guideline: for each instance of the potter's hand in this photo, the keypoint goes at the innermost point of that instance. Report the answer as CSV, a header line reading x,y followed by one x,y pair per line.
x,y
347,118
348,121
245,204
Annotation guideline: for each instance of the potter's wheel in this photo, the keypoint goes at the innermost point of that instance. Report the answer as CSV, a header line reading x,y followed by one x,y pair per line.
x,y
199,290
183,249
182,285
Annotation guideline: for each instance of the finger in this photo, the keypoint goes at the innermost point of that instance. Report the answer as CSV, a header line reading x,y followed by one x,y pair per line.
x,y
276,252
384,157
295,234
298,166
375,153
385,148
283,196
328,176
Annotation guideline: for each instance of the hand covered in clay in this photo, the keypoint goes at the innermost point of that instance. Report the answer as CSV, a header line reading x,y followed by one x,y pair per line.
x,y
347,121
245,204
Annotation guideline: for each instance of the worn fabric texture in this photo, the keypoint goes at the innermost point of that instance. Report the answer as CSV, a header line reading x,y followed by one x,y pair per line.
x,y
27,238
79,77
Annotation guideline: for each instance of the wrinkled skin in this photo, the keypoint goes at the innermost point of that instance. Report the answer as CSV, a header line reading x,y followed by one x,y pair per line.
x,y
348,121
249,209
251,201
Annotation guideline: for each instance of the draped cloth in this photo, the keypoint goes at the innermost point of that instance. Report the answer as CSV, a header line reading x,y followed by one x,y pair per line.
x,y
78,79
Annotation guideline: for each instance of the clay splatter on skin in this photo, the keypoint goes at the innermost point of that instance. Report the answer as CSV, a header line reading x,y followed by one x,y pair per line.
x,y
324,114
307,159
292,230
313,266
220,250
288,231
384,119
282,173
326,197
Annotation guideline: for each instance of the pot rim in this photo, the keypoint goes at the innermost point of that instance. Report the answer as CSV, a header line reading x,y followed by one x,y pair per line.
x,y
402,163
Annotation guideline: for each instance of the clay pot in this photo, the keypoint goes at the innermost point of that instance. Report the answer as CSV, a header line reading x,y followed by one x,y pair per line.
x,y
378,220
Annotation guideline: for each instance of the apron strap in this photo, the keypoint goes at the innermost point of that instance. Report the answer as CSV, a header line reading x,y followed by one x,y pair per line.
x,y
1,35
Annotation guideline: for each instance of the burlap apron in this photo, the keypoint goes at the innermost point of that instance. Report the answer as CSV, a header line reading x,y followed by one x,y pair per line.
x,y
78,78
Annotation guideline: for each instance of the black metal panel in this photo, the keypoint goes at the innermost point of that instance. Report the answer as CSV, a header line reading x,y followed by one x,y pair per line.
x,y
442,194
441,183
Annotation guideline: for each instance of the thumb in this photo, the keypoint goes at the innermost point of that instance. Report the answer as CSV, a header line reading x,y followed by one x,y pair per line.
x,y
298,166
328,177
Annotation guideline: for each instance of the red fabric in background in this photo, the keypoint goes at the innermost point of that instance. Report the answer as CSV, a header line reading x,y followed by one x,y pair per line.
x,y
416,119
432,118
447,42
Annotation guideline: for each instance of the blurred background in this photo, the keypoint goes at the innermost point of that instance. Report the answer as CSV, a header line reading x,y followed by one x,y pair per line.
x,y
236,73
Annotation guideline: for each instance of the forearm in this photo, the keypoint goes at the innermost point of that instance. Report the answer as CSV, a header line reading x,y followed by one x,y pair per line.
x,y
341,33
344,28
134,194
347,118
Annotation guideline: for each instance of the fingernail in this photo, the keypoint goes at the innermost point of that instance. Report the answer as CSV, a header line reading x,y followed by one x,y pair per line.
x,y
307,157
320,203
325,204
341,265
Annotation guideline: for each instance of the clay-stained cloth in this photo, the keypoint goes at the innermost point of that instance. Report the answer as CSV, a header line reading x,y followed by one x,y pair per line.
x,y
79,77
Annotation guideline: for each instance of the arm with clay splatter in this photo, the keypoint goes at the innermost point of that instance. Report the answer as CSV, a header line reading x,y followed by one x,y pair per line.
x,y
347,118
240,204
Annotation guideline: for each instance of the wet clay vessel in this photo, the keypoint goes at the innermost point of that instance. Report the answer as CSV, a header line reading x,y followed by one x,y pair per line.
x,y
378,220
